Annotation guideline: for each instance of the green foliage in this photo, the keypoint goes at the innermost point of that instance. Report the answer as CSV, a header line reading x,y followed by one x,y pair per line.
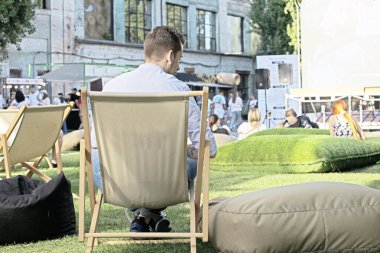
x,y
270,20
299,153
291,29
292,131
15,22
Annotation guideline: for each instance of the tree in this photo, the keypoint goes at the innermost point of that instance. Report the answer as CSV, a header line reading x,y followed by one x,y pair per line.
x,y
291,9
270,21
15,22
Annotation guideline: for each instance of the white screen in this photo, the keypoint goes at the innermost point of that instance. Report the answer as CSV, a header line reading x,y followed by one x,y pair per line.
x,y
340,43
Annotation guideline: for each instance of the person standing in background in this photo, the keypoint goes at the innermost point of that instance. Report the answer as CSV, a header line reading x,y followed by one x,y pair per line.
x,y
59,100
11,101
43,98
252,103
236,106
3,102
219,106
33,96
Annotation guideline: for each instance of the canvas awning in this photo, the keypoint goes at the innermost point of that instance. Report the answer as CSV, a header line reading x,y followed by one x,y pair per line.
x,y
213,85
69,73
193,80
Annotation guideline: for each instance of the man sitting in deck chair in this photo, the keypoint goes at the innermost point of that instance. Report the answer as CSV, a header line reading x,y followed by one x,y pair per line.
x,y
163,49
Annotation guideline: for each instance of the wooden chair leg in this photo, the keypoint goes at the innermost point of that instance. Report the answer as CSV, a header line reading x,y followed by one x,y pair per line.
x,y
33,170
90,178
193,239
38,161
94,222
58,155
7,165
82,192
205,188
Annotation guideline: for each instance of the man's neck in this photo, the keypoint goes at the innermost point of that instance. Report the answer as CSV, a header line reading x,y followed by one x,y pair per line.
x,y
161,64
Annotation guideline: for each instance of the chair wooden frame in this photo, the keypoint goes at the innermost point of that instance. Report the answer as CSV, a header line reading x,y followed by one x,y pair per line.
x,y
12,132
200,190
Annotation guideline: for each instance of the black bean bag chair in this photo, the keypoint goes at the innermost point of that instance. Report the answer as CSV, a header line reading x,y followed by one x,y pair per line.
x,y
31,210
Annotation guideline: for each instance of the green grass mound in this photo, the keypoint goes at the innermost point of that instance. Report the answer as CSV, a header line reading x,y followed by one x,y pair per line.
x,y
292,131
297,153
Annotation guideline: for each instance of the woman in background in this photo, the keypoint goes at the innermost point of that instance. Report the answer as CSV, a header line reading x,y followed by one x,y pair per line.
x,y
252,126
341,124
19,101
235,106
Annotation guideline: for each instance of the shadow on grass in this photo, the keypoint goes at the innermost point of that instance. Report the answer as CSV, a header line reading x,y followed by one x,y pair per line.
x,y
375,184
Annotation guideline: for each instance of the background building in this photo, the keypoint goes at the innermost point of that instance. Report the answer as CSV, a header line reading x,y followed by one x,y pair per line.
x,y
108,37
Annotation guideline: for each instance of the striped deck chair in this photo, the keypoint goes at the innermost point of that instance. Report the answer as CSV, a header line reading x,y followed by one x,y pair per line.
x,y
143,164
29,133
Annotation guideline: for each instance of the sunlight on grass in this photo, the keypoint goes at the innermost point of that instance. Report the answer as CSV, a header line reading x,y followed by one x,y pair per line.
x,y
224,181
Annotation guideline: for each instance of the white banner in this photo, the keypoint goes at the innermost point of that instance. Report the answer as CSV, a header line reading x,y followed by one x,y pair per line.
x,y
24,81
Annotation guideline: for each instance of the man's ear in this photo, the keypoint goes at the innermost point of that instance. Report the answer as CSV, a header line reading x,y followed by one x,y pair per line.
x,y
170,57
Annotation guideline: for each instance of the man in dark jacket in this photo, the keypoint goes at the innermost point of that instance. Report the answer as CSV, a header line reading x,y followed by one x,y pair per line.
x,y
291,120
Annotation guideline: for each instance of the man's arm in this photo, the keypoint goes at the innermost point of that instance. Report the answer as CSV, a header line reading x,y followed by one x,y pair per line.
x,y
194,131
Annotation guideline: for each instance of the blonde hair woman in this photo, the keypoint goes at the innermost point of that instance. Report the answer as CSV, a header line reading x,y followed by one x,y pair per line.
x,y
252,126
341,124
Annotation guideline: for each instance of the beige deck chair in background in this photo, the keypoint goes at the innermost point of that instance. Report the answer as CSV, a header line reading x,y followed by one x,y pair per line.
x,y
31,134
142,142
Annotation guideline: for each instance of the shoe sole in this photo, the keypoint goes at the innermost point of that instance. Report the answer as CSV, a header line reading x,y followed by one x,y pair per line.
x,y
163,225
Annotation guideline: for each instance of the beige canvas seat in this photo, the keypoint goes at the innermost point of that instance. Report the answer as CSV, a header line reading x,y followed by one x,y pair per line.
x,y
29,133
142,141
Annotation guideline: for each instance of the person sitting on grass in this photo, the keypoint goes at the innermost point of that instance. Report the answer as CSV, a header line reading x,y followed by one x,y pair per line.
x,y
214,123
291,120
252,126
341,124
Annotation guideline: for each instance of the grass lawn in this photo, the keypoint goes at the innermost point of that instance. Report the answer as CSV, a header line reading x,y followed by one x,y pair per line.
x,y
225,181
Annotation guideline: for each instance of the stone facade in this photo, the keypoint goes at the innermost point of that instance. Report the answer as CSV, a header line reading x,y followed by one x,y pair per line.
x,y
60,39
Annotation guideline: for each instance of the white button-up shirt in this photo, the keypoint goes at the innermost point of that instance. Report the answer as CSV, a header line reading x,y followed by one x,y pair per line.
x,y
152,78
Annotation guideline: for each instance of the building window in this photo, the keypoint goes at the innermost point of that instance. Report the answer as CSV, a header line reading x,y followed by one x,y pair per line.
x,y
15,73
235,34
42,4
98,19
176,16
138,20
206,30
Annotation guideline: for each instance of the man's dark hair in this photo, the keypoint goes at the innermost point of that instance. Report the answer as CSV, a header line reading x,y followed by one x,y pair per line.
x,y
214,118
161,40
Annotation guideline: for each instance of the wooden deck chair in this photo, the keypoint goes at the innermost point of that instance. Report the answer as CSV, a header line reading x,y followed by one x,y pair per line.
x,y
141,140
31,133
